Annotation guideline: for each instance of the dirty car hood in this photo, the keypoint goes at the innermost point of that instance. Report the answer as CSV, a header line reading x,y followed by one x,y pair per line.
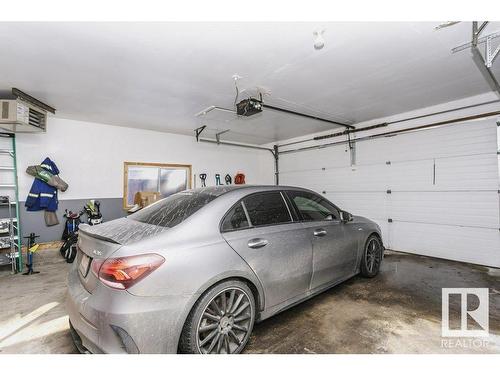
x,y
123,231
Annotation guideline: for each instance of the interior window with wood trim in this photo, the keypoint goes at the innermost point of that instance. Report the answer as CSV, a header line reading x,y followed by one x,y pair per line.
x,y
154,178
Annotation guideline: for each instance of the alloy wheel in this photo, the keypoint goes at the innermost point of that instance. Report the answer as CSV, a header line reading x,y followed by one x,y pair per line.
x,y
372,255
225,324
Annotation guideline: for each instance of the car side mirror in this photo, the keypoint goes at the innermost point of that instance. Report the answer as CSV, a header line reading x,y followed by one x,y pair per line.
x,y
345,216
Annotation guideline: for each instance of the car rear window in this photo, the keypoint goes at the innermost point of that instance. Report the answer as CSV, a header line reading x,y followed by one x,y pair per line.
x,y
235,219
173,210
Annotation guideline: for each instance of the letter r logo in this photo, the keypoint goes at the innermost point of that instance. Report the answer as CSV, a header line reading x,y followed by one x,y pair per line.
x,y
480,314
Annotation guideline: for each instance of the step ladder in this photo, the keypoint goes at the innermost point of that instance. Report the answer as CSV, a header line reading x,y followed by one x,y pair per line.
x,y
10,240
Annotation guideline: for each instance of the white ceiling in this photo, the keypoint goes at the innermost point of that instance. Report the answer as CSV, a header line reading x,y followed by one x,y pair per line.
x,y
159,75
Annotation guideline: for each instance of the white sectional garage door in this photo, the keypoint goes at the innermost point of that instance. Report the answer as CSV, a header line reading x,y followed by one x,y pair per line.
x,y
433,192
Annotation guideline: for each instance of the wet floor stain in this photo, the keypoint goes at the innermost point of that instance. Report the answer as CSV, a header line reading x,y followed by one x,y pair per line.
x,y
399,311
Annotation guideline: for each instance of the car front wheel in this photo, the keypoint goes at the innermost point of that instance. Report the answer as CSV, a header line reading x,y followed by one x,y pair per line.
x,y
372,257
221,321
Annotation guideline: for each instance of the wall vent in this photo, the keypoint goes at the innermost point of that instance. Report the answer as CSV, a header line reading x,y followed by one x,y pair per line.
x,y
20,117
24,114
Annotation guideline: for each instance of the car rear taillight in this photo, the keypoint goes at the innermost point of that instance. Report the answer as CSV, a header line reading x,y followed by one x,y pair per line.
x,y
123,272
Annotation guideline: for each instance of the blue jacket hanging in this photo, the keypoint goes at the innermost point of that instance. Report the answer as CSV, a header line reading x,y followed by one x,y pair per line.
x,y
43,196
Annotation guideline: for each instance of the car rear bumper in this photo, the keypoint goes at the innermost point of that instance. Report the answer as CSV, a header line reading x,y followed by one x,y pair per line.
x,y
115,321
77,340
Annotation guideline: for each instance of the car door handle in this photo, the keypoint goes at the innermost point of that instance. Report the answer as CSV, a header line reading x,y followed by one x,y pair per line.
x,y
257,243
320,232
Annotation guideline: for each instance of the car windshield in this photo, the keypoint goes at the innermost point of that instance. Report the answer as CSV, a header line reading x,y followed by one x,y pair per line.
x,y
173,210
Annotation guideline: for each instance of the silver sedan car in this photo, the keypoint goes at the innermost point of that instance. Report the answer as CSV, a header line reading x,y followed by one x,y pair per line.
x,y
193,272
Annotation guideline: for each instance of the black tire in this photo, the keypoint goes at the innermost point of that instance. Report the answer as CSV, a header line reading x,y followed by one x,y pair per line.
x,y
224,330
64,248
71,253
372,256
68,249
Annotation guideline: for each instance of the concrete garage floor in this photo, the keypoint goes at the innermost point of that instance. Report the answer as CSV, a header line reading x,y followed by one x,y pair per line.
x,y
397,312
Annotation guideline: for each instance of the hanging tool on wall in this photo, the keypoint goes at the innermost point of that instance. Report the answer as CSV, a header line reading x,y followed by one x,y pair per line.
x,y
229,179
32,247
203,177
239,179
217,179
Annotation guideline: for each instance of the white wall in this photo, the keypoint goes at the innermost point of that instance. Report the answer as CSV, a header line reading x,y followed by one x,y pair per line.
x,y
90,157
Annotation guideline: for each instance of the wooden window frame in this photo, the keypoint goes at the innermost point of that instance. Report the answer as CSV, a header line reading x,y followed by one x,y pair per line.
x,y
128,164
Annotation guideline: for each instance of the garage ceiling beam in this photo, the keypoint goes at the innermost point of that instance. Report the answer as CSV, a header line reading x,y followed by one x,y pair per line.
x,y
485,71
477,30
483,65
480,40
485,62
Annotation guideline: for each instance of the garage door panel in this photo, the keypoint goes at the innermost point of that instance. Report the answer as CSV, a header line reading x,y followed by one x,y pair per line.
x,y
335,179
371,177
456,208
358,179
413,175
370,205
463,139
444,182
322,158
472,172
479,246
303,178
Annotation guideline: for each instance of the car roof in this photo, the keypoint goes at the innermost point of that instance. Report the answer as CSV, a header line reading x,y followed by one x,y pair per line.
x,y
223,189
224,197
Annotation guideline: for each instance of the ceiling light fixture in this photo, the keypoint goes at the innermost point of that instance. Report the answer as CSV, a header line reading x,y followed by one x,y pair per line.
x,y
445,24
319,42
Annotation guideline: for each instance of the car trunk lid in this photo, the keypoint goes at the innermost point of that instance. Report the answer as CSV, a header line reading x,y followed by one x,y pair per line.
x,y
122,231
